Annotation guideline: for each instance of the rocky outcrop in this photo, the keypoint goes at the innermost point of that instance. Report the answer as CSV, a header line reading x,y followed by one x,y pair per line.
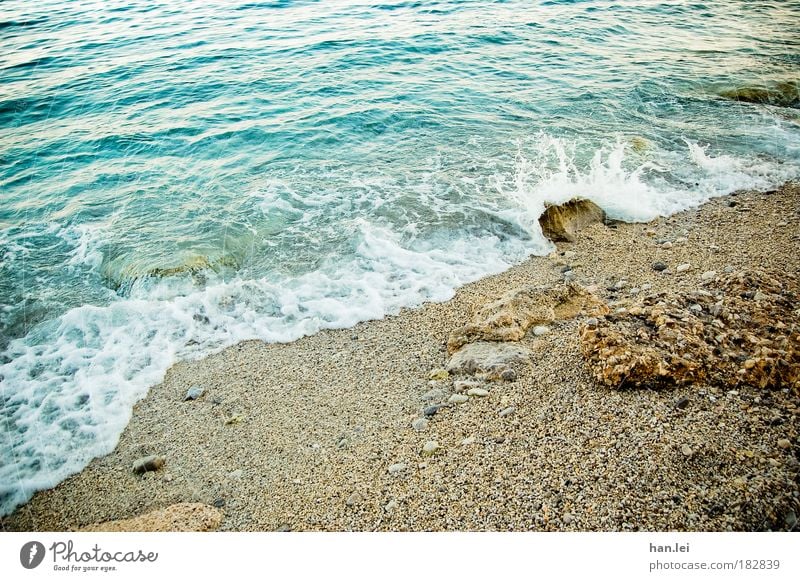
x,y
783,94
741,328
182,517
564,221
510,317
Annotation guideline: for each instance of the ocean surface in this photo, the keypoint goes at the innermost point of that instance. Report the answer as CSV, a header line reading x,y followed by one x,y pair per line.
x,y
176,176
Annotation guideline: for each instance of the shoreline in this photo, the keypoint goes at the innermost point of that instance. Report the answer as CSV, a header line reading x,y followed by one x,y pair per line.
x,y
300,436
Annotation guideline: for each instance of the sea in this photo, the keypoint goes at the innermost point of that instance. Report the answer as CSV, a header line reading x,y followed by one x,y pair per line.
x,y
179,176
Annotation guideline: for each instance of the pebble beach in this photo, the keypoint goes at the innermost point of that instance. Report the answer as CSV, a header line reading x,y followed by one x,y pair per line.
x,y
362,429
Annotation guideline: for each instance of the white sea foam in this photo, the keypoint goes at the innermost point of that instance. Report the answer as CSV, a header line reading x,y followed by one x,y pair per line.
x,y
69,386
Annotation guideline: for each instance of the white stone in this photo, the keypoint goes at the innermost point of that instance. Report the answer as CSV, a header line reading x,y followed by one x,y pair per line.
x,y
430,448
708,275
478,392
458,398
540,330
683,267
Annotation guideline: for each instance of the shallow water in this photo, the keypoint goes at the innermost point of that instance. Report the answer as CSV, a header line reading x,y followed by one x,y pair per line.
x,y
177,177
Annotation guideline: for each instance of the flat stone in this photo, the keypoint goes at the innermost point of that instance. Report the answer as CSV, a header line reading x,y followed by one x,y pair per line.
x,y
568,254
540,330
507,411
478,392
484,355
439,375
458,398
686,450
683,267
148,464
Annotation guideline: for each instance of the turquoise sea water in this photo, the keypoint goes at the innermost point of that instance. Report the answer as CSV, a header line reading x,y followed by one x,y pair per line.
x,y
179,176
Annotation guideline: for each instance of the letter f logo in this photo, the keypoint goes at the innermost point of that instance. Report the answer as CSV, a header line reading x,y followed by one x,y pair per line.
x,y
31,554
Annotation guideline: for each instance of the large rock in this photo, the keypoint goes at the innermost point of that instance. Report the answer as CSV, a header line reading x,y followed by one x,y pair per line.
x,y
182,517
564,221
487,358
740,328
510,317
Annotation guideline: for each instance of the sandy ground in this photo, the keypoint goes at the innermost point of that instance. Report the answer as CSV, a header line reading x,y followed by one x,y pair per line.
x,y
301,436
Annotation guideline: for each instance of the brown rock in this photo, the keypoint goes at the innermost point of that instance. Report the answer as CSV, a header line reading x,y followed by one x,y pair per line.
x,y
182,517
737,340
148,464
510,317
562,222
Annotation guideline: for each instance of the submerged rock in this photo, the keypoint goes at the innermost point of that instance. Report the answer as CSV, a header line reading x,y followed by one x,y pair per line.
x,y
783,94
181,517
564,221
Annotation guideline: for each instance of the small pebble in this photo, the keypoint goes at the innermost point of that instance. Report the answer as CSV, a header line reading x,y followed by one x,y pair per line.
x,y
621,284
458,398
432,409
540,330
570,254
507,411
430,448
420,424
432,395
468,441
683,267
353,499
149,464
682,403
686,450
508,375
390,506
784,444
439,375
591,322
397,468
659,266
567,518
666,245
194,392
708,275
478,392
